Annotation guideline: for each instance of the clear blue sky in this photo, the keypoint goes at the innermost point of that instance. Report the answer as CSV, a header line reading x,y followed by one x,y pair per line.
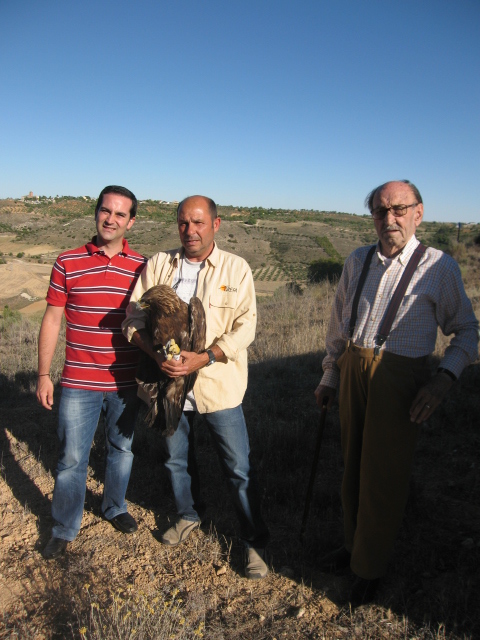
x,y
271,103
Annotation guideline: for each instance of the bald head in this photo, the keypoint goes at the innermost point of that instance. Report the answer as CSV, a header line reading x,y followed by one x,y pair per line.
x,y
207,204
371,196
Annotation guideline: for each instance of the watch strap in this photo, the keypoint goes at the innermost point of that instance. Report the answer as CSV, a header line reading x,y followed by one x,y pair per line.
x,y
211,357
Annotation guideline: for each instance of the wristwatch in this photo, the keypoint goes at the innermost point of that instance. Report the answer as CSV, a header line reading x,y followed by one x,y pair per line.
x,y
211,357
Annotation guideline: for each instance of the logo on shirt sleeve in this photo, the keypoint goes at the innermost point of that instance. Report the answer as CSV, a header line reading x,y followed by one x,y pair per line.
x,y
225,287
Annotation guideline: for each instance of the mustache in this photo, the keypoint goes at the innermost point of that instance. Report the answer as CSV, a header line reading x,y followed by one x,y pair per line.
x,y
391,227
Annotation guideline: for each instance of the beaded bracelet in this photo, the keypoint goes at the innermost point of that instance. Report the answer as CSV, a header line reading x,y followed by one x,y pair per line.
x,y
42,374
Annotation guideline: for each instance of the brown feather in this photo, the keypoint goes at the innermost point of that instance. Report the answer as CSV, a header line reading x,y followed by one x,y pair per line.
x,y
169,317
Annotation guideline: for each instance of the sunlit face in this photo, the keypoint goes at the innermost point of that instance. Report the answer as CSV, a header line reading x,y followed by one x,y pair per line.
x,y
394,233
196,228
113,219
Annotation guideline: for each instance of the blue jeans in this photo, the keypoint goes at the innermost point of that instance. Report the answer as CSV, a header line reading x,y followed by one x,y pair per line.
x,y
229,433
79,412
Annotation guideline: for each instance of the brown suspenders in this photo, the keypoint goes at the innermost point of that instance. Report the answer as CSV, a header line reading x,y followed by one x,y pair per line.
x,y
394,303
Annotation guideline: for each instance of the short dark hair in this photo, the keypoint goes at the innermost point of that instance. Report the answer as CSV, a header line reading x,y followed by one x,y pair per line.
x,y
121,191
212,207
371,196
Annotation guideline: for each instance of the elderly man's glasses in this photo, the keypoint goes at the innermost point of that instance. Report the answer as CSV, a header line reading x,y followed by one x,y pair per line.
x,y
398,210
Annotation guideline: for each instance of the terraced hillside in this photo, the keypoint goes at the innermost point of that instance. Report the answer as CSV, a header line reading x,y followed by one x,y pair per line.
x,y
280,245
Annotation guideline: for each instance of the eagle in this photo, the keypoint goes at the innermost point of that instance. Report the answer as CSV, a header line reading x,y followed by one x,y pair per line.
x,y
173,326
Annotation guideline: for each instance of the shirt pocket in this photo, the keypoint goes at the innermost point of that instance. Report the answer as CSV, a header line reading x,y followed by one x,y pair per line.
x,y
223,299
221,308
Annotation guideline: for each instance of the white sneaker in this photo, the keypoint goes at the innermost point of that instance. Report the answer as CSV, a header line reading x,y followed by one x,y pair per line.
x,y
255,565
179,532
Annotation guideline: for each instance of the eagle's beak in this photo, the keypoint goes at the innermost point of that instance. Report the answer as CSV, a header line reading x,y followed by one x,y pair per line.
x,y
141,306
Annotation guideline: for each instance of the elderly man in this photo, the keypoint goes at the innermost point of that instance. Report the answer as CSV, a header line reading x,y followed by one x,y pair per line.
x,y
377,346
224,284
91,285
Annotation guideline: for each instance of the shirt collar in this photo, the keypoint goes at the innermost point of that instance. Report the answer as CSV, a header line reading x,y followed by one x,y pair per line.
x,y
92,247
404,255
212,258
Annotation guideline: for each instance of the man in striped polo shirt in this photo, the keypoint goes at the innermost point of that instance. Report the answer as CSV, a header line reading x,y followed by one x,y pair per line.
x,y
92,285
386,386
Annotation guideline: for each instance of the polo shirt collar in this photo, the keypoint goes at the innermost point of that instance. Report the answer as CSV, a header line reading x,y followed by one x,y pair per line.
x,y
92,247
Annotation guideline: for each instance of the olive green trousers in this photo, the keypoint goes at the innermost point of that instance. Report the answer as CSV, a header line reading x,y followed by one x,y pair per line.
x,y
378,443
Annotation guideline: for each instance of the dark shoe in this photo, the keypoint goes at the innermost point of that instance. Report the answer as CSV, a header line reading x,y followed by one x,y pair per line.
x,y
363,591
124,523
334,561
54,548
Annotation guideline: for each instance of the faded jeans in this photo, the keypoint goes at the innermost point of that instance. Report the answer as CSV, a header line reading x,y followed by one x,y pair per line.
x,y
230,437
79,412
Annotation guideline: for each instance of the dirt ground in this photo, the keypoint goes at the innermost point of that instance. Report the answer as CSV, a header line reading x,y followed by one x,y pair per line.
x,y
25,280
40,599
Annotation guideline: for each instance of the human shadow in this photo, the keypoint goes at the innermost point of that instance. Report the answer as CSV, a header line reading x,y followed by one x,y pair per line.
x,y
24,427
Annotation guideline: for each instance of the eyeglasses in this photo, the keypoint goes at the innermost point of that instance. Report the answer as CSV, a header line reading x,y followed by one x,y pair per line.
x,y
398,210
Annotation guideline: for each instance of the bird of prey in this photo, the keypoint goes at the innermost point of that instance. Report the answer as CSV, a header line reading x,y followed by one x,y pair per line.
x,y
173,325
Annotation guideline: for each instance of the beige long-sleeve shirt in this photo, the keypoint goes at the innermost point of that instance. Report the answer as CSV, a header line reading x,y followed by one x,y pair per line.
x,y
225,287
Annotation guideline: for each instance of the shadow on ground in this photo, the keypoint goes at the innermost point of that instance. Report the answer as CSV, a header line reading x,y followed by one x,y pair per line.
x,y
433,578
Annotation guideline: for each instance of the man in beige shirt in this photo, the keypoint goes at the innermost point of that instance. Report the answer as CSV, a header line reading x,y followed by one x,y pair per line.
x,y
224,284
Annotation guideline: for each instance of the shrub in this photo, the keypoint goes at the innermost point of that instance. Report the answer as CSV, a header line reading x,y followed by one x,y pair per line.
x,y
441,239
9,317
324,270
328,247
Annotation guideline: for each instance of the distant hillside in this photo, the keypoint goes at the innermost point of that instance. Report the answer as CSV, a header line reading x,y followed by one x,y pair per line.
x,y
280,245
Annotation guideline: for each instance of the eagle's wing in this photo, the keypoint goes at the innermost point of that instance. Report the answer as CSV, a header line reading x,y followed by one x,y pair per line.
x,y
196,338
197,325
169,317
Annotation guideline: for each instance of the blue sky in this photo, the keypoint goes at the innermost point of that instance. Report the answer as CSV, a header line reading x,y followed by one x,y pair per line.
x,y
271,103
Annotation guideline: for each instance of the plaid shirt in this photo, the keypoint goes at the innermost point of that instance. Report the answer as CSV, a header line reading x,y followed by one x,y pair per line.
x,y
434,298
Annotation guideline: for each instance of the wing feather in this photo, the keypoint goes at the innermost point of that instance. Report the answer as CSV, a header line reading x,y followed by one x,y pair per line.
x,y
169,317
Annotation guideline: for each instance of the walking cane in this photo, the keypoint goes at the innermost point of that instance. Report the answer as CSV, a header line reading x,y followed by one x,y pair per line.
x,y
308,499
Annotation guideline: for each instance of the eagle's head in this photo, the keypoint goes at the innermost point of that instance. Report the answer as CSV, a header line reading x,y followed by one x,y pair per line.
x,y
160,299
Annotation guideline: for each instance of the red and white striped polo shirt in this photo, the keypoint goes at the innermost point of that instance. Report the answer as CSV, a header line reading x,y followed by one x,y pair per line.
x,y
95,291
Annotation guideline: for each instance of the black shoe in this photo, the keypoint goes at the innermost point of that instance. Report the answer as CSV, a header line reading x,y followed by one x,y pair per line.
x,y
334,561
363,591
54,548
124,523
